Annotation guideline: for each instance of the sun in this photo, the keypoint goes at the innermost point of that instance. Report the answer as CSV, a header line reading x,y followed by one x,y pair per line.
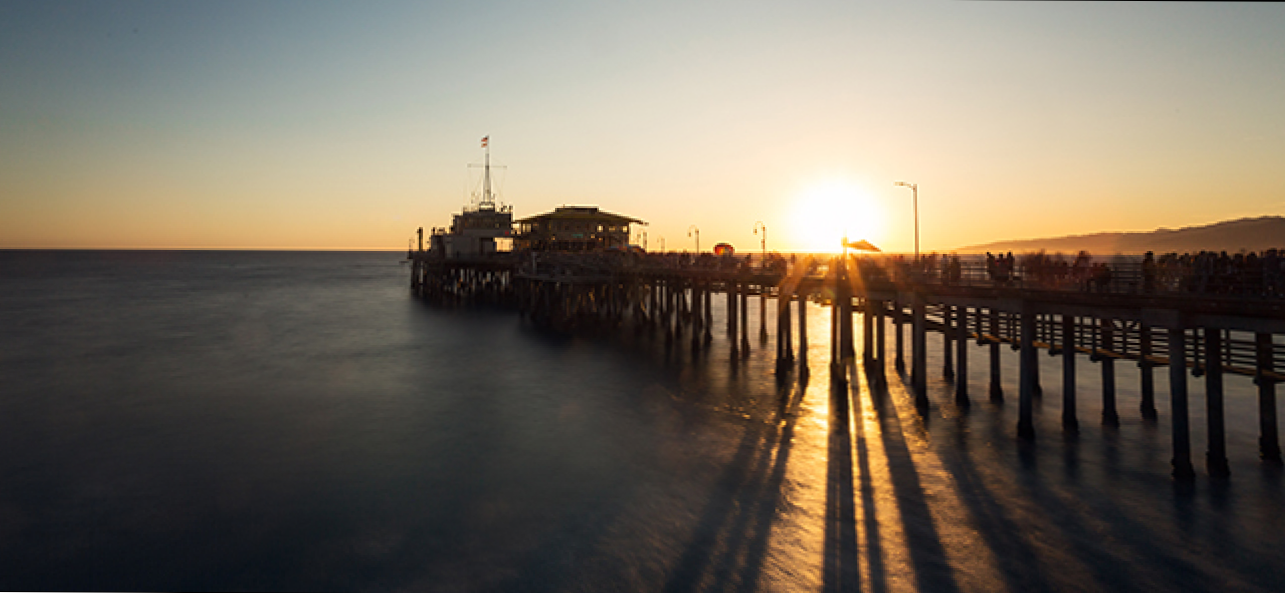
x,y
823,214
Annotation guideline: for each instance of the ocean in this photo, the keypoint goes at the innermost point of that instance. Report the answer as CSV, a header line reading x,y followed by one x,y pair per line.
x,y
224,420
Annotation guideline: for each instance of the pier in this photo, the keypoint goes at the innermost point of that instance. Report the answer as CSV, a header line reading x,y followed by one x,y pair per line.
x,y
1195,337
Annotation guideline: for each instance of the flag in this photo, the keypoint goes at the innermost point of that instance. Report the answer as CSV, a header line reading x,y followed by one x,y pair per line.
x,y
485,139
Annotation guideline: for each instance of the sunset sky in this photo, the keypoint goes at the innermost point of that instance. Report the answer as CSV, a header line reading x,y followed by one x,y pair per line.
x,y
346,125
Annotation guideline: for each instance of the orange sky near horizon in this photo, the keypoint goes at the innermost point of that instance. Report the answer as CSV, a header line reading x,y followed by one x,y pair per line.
x,y
293,125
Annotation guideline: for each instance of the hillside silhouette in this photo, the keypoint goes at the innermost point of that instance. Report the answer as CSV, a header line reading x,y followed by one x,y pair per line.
x,y
1232,236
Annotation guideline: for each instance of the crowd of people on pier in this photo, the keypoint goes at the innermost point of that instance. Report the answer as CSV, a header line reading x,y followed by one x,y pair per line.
x,y
1218,273
1205,272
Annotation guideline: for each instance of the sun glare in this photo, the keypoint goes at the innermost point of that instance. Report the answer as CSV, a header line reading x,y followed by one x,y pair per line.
x,y
824,214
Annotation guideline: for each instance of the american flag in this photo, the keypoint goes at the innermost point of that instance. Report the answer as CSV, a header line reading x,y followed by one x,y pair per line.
x,y
485,139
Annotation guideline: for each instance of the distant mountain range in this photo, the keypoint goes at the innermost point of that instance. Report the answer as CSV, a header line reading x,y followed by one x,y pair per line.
x,y
1249,234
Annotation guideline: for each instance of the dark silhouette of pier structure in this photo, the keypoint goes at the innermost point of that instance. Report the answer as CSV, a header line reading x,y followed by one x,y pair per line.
x,y
1201,336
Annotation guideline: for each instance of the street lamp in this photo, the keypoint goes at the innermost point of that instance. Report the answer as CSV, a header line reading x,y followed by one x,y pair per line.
x,y
644,240
693,229
662,244
758,224
914,189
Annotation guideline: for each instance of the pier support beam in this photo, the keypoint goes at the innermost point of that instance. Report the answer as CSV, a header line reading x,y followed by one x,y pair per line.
x,y
731,289
867,333
881,359
697,316
787,324
919,350
803,335
676,308
1181,462
847,350
847,333
961,352
1070,423
897,322
1036,389
1145,366
1216,454
838,370
1269,448
834,330
948,366
762,314
709,312
1026,374
745,320
996,387
784,350
1110,417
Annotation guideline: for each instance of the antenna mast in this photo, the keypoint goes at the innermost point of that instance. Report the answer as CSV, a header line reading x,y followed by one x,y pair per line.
x,y
488,202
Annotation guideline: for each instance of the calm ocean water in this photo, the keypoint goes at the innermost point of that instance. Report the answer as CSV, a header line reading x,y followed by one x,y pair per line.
x,y
282,421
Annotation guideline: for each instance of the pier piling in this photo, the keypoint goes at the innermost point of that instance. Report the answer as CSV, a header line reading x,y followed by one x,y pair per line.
x,y
1106,358
1182,469
1216,454
1269,448
1070,423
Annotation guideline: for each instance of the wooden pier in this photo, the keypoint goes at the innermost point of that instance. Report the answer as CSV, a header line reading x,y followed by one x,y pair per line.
x,y
1202,336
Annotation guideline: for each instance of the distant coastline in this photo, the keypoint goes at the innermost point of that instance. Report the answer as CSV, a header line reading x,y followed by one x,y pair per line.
x,y
1232,236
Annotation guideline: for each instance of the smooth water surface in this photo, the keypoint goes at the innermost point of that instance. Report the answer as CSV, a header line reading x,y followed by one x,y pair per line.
x,y
279,421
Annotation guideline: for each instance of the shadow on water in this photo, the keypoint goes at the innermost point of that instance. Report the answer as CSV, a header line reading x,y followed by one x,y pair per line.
x,y
731,536
842,568
924,545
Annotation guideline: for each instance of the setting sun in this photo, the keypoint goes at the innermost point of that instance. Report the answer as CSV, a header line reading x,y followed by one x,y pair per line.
x,y
822,215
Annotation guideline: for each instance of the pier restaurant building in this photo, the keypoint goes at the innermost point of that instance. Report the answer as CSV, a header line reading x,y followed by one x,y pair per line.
x,y
574,228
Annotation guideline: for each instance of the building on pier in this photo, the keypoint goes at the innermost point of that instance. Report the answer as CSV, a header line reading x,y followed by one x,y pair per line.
x,y
481,229
574,228
478,230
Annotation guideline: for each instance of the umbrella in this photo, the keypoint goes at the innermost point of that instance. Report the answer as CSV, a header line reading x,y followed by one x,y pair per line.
x,y
861,245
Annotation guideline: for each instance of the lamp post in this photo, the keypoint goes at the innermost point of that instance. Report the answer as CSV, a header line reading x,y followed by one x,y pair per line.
x,y
758,224
662,244
644,240
914,190
693,229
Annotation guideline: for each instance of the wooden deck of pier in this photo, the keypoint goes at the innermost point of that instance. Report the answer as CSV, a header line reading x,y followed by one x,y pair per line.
x,y
1198,335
